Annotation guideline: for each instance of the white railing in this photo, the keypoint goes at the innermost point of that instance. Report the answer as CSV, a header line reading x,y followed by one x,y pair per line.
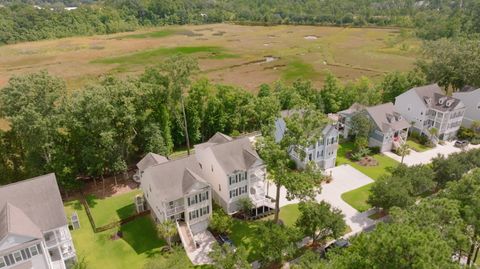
x,y
175,210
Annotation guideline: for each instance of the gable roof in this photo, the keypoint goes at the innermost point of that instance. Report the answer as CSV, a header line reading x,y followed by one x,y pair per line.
x,y
386,118
468,88
235,155
149,160
354,108
38,198
174,179
14,221
433,97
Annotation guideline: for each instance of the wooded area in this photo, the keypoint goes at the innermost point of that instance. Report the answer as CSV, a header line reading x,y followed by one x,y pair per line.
x,y
431,19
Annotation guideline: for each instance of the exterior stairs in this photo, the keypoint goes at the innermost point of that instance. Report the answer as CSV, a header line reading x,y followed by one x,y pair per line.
x,y
186,236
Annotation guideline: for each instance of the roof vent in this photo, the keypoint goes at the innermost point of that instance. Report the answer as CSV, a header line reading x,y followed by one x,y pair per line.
x,y
449,103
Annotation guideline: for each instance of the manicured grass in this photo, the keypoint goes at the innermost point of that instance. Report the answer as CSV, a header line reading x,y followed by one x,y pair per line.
x,y
138,244
416,146
148,56
298,69
108,210
288,214
358,198
373,172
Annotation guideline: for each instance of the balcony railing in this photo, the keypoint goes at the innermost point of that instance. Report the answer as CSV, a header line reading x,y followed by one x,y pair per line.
x,y
175,210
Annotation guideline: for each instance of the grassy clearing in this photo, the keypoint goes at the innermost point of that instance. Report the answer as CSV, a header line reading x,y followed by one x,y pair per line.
x,y
139,243
358,198
373,172
149,56
108,210
244,234
417,147
298,69
288,214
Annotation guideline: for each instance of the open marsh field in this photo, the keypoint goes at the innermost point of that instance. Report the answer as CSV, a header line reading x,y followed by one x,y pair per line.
x,y
231,54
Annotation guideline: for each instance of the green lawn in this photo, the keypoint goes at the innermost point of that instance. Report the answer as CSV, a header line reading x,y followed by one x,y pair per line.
x,y
416,146
358,198
288,214
155,34
244,234
139,243
108,210
148,56
373,172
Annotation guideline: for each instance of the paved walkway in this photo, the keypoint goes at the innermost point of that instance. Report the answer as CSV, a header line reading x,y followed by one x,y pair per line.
x,y
345,178
199,256
425,157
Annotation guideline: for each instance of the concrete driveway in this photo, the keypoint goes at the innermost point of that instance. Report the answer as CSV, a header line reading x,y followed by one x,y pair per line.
x,y
345,178
425,157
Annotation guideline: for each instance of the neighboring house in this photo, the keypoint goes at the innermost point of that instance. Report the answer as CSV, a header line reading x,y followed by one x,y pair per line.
x,y
33,227
323,153
390,129
149,160
345,118
223,169
428,107
470,96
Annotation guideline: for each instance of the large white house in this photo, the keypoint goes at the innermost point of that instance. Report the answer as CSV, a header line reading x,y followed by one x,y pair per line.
x,y
33,227
223,169
323,152
470,96
428,107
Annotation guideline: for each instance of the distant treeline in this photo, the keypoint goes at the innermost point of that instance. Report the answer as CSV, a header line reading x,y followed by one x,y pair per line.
x,y
22,21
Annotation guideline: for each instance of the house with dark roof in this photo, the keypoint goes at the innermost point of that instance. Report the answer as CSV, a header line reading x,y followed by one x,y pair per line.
x,y
428,108
34,230
390,129
222,169
323,153
470,96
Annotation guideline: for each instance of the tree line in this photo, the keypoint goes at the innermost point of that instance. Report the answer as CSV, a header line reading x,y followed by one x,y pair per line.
x,y
21,21
108,125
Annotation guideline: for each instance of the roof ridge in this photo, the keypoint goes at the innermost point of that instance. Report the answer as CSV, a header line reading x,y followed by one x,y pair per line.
x,y
27,180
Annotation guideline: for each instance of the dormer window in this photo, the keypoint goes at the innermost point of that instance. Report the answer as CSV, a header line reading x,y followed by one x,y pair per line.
x,y
449,103
442,100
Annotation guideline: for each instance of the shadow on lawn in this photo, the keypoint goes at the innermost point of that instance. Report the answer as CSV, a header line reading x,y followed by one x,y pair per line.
x,y
126,211
245,234
141,235
91,200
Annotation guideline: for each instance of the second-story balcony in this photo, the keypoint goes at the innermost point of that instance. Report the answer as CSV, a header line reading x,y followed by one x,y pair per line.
x,y
173,210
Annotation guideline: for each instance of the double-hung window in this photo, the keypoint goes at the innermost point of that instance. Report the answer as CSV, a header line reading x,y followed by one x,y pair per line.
x,y
2,262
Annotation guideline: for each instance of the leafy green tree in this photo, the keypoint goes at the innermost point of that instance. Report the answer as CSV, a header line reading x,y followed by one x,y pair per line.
x,y
453,63
29,104
331,94
309,260
277,242
246,205
420,178
361,125
226,257
174,259
220,222
396,83
467,192
320,221
167,229
390,191
301,131
396,246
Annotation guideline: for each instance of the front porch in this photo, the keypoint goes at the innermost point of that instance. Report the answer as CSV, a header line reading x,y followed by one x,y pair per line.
x,y
399,138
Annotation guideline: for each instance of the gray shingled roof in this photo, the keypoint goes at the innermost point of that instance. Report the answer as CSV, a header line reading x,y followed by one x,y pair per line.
x,y
386,118
235,155
468,88
354,108
149,160
176,178
14,221
38,198
432,94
